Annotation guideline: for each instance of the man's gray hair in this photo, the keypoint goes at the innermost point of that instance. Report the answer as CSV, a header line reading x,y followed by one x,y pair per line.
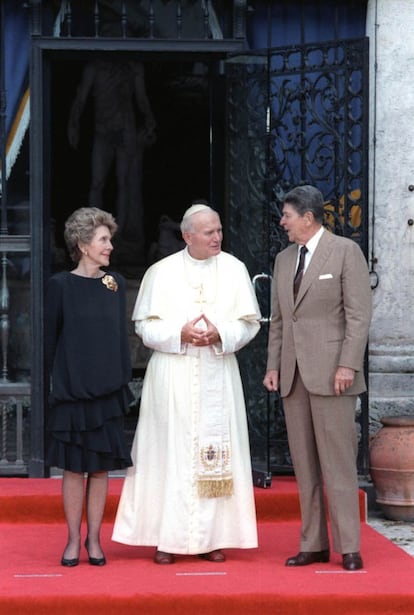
x,y
306,198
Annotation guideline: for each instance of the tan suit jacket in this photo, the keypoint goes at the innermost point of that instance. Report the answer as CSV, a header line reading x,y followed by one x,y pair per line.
x,y
325,328
328,324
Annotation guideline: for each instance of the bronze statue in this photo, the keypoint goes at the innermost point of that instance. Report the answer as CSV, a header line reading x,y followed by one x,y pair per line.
x,y
123,127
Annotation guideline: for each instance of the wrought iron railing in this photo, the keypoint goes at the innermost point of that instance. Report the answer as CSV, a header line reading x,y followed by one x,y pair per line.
x,y
14,392
14,431
147,19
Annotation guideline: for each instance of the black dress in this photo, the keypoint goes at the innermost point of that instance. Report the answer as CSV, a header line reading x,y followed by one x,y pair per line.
x,y
87,353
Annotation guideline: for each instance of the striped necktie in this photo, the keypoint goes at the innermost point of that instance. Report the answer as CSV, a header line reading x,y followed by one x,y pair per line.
x,y
299,271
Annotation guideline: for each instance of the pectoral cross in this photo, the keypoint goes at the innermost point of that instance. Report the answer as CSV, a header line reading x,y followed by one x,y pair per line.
x,y
200,299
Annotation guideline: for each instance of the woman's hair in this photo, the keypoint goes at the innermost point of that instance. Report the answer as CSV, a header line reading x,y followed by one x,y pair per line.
x,y
81,226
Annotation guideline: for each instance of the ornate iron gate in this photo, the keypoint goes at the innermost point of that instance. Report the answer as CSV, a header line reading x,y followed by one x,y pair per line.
x,y
296,115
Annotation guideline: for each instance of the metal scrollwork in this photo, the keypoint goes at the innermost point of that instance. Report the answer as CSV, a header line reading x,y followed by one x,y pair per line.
x,y
297,115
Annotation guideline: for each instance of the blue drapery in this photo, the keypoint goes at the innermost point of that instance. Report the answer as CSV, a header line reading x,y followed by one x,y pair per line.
x,y
16,66
276,23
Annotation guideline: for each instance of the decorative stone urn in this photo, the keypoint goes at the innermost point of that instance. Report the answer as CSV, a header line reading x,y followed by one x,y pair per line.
x,y
392,467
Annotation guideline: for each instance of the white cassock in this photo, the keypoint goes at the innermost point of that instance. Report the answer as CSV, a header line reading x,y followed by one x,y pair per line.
x,y
192,428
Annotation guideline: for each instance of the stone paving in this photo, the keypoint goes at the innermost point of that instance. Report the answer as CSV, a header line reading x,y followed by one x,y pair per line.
x,y
401,533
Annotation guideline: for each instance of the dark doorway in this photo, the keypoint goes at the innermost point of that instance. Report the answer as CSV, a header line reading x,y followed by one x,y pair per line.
x,y
176,166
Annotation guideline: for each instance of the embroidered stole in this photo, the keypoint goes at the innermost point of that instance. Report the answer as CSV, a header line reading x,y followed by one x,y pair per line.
x,y
214,448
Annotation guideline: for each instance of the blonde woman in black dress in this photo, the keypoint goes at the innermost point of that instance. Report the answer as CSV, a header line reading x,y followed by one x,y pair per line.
x,y
88,357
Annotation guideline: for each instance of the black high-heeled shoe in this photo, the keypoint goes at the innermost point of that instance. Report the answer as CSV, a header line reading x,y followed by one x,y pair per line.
x,y
95,561
70,563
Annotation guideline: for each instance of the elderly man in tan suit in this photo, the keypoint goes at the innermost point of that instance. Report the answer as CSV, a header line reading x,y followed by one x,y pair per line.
x,y
315,355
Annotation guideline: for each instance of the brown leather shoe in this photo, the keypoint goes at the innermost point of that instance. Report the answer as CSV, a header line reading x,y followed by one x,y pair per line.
x,y
214,556
161,557
304,558
352,561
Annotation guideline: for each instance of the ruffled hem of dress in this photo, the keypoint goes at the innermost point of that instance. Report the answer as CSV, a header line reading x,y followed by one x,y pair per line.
x,y
79,455
88,436
88,414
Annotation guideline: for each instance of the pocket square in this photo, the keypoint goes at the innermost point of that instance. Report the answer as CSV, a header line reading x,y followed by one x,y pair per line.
x,y
326,276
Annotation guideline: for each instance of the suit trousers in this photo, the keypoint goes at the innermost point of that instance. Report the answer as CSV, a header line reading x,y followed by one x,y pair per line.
x,y
323,445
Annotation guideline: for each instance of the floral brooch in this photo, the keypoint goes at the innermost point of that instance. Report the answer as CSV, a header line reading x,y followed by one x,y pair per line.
x,y
110,282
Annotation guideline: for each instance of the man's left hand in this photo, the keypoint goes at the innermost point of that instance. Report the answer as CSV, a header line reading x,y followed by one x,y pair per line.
x,y
344,378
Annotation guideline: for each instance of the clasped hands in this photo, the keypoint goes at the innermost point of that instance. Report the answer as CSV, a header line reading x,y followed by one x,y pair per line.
x,y
192,333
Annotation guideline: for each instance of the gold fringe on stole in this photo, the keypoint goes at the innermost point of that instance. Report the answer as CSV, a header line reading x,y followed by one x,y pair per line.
x,y
211,488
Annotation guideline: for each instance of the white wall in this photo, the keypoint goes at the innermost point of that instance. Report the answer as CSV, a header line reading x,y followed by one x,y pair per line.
x,y
390,26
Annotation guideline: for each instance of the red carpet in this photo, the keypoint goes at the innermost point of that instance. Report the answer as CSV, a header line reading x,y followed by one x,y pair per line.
x,y
250,582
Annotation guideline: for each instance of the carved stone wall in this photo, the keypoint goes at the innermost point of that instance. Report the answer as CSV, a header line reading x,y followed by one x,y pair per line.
x,y
391,349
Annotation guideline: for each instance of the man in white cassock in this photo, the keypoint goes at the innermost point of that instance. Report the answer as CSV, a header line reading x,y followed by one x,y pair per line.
x,y
190,489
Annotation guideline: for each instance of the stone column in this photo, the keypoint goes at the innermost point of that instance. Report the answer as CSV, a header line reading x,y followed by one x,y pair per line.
x,y
390,25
